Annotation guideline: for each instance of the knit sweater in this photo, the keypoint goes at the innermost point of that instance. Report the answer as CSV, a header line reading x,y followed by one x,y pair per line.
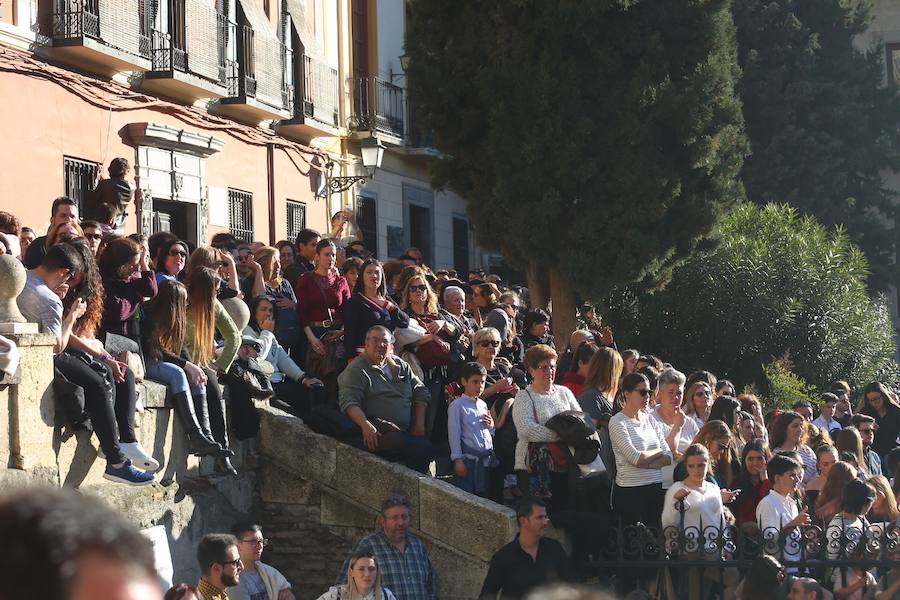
x,y
529,402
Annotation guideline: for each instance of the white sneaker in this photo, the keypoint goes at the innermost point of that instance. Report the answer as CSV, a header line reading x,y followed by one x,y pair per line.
x,y
139,457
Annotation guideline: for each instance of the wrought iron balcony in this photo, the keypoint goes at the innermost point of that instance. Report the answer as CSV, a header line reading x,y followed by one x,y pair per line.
x,y
240,78
378,105
105,36
165,53
76,18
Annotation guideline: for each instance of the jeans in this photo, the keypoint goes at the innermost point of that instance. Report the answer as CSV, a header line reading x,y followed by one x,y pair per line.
x,y
173,376
476,479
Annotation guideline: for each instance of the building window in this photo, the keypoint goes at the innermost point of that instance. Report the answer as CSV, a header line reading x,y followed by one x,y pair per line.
x,y
80,176
367,221
240,214
892,62
296,219
461,245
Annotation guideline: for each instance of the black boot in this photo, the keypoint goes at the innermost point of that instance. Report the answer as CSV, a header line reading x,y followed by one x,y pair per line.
x,y
199,443
202,412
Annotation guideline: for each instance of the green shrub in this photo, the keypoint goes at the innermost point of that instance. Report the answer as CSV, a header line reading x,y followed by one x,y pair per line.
x,y
777,283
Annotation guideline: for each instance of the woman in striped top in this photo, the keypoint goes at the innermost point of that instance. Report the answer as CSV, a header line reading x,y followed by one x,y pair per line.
x,y
641,450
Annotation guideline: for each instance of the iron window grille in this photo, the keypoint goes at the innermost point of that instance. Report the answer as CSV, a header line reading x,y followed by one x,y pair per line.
x,y
240,214
79,177
296,218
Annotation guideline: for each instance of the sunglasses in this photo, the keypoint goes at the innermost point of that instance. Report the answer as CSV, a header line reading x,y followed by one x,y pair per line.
x,y
643,392
489,343
234,563
418,288
180,253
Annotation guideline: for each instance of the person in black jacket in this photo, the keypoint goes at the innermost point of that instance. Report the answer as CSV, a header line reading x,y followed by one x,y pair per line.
x,y
530,560
367,307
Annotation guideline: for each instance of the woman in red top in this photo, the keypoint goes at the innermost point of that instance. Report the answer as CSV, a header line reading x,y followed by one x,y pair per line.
x,y
575,376
753,484
320,294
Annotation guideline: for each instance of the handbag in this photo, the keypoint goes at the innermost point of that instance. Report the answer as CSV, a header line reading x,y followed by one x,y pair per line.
x,y
247,374
318,365
559,454
435,352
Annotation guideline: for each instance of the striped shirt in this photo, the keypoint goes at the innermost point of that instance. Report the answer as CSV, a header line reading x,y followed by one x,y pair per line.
x,y
629,438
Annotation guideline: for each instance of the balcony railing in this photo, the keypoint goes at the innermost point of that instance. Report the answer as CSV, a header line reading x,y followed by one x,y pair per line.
x,y
240,74
320,91
379,105
165,54
76,18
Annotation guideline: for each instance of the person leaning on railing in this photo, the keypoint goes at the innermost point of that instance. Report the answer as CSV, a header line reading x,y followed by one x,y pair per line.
x,y
777,514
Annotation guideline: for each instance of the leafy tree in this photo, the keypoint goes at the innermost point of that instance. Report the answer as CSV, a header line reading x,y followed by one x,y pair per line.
x,y
820,121
777,283
596,141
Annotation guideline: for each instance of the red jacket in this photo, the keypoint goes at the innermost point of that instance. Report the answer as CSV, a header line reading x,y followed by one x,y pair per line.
x,y
314,290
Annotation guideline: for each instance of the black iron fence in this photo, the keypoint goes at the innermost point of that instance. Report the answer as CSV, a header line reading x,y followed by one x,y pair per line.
x,y
704,561
76,18
379,105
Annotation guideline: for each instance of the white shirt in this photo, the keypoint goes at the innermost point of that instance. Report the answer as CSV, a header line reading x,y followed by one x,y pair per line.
x,y
809,461
774,512
831,426
630,437
703,507
688,432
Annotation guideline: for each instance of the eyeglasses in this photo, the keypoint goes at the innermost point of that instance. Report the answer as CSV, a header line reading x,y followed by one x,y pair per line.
x,y
236,563
418,288
547,367
256,542
93,236
490,343
183,254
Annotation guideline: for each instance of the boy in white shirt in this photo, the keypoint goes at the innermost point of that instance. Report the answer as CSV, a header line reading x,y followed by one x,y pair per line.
x,y
469,428
778,511
826,420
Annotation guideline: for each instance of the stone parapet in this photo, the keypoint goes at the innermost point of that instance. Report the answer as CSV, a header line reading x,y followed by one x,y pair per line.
x,y
321,495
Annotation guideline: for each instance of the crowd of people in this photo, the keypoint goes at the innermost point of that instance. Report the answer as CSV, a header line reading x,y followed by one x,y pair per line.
x,y
454,376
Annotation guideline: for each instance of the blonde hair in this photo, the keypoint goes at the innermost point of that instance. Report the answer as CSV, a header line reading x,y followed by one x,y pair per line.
x,y
204,256
605,371
485,334
200,335
882,486
718,432
431,303
687,404
849,440
266,257
354,593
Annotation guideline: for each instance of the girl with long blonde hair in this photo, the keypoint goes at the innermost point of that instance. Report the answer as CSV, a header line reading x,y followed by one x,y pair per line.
x,y
205,315
363,581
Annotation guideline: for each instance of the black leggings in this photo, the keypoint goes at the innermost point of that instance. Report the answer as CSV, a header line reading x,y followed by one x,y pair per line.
x,y
99,399
216,406
643,503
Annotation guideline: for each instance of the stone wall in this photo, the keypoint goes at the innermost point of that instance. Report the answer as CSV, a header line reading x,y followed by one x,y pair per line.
x,y
313,495
318,496
189,499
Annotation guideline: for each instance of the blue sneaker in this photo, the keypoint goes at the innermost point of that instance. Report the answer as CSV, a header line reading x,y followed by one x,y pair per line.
x,y
127,474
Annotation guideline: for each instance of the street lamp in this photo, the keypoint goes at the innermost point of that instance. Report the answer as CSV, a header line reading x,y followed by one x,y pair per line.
x,y
372,153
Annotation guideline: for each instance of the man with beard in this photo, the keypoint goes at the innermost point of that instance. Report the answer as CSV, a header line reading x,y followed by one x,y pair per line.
x,y
220,565
401,556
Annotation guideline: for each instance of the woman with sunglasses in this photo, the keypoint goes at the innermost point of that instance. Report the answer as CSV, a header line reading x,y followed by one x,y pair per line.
x,y
541,469
171,260
500,390
698,402
878,402
369,306
641,451
222,263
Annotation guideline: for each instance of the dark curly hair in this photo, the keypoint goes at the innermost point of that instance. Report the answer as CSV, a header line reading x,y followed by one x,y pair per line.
x,y
90,288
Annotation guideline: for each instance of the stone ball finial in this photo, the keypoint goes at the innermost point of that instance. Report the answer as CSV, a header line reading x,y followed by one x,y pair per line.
x,y
12,282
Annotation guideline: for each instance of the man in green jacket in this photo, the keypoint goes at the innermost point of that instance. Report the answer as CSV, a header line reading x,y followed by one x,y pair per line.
x,y
381,394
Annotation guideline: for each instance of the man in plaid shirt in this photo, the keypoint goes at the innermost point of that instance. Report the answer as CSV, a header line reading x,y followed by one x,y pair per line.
x,y
401,557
